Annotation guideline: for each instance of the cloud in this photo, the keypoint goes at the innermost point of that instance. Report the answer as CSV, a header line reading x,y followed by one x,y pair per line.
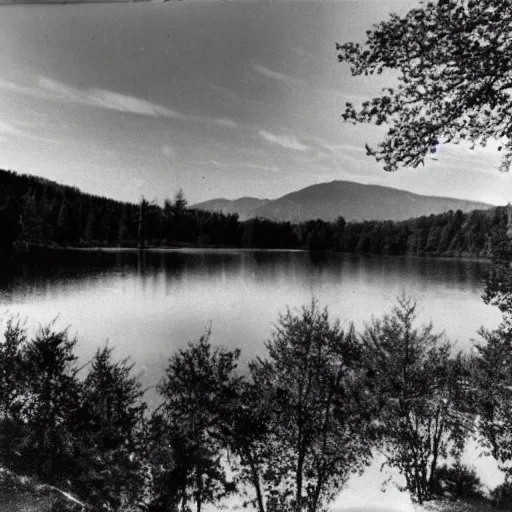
x,y
215,163
5,84
54,90
9,131
341,96
103,98
285,141
341,148
229,123
269,73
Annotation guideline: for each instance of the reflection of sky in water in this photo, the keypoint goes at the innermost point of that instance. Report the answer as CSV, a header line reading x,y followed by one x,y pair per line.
x,y
148,307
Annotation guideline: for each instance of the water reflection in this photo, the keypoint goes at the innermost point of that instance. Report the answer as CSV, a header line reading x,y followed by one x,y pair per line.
x,y
148,304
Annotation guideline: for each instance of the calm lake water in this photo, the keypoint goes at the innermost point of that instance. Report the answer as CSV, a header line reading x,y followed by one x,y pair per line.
x,y
147,306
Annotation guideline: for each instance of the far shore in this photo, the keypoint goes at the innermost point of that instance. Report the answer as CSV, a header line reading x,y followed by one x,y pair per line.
x,y
35,249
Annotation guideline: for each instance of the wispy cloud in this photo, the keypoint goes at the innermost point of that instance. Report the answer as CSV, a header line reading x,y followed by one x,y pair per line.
x,y
302,52
103,98
10,131
224,121
285,141
54,90
339,148
269,73
341,96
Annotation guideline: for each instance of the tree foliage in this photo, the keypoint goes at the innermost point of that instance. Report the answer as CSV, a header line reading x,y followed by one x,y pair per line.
x,y
49,375
109,430
78,438
286,436
451,60
417,386
246,431
458,481
198,386
501,496
317,424
493,382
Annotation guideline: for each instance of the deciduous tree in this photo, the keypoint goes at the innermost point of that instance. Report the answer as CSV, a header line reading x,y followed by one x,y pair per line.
x,y
199,383
317,421
451,61
493,385
418,387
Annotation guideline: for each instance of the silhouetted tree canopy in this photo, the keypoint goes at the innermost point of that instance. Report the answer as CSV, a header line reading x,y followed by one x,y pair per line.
x,y
417,384
284,436
318,424
453,62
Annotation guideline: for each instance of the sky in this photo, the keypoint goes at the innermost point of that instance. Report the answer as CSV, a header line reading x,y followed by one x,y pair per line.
x,y
219,98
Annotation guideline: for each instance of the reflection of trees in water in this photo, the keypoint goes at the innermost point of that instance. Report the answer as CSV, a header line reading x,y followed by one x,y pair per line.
x,y
38,273
318,258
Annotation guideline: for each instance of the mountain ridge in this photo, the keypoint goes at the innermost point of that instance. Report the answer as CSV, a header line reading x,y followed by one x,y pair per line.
x,y
351,200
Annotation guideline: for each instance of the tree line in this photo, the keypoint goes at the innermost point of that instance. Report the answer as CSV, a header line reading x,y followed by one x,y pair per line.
x,y
34,211
284,435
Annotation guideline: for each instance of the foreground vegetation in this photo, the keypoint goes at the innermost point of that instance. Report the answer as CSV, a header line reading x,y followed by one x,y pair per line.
x,y
34,211
284,435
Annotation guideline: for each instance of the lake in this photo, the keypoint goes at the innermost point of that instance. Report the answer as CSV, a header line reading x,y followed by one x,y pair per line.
x,y
149,305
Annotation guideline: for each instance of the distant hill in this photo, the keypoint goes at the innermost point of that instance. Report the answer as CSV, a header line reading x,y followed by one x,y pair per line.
x,y
212,205
353,201
243,206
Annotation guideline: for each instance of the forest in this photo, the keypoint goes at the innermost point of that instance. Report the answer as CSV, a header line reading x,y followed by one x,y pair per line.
x,y
38,212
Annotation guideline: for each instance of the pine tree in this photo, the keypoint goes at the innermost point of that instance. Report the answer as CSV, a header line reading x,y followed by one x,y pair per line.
x,y
109,427
64,223
91,224
52,398
10,223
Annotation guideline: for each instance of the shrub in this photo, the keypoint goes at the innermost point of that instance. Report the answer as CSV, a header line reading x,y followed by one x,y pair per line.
x,y
501,496
459,481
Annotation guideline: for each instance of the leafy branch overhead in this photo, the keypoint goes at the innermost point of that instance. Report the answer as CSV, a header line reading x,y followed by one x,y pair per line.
x,y
452,59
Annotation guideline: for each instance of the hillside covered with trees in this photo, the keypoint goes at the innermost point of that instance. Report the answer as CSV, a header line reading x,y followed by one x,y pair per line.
x,y
35,211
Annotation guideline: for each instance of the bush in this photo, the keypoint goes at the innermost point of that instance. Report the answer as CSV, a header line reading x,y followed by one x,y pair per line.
x,y
501,496
458,481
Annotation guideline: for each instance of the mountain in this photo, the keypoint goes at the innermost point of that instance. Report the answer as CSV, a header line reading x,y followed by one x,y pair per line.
x,y
243,206
353,201
212,205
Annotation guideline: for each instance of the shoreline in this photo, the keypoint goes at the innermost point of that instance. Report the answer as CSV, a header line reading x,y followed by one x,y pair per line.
x,y
35,250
